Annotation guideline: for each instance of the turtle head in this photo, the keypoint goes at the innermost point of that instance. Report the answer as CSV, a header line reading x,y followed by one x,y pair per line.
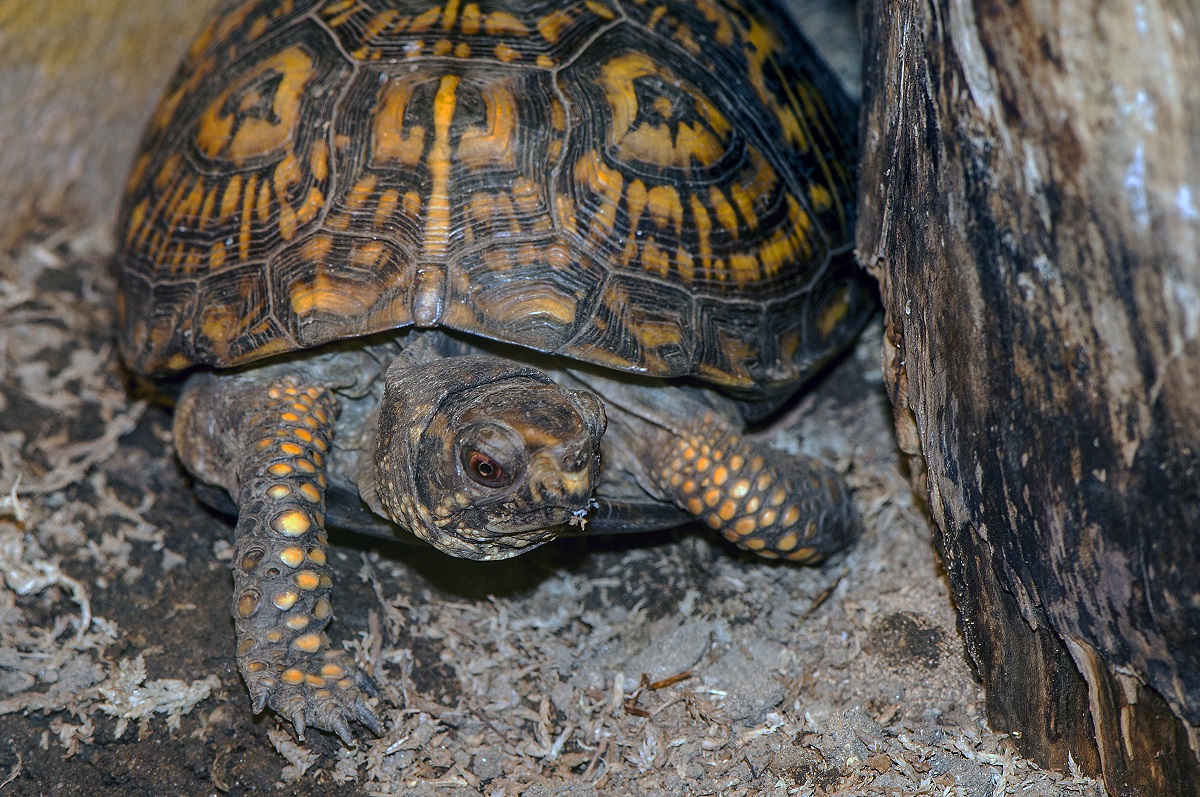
x,y
482,457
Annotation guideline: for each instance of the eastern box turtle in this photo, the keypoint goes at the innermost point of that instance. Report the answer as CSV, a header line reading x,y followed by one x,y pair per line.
x,y
428,254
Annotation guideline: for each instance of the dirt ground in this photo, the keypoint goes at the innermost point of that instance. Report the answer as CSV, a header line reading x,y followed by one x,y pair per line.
x,y
662,665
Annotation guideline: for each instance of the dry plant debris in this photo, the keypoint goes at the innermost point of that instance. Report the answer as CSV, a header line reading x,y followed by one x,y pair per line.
x,y
670,665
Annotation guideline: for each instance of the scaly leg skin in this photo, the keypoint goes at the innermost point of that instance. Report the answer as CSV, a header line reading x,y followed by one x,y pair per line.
x,y
281,588
760,499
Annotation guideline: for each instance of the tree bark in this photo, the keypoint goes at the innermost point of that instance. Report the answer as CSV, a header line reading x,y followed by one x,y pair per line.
x,y
1030,202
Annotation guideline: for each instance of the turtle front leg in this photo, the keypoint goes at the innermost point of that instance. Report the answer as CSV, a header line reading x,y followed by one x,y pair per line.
x,y
763,500
281,433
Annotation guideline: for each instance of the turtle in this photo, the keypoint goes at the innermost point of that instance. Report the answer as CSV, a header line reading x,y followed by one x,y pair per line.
x,y
485,273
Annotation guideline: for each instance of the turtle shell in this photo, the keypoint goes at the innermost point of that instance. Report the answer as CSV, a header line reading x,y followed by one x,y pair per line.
x,y
656,187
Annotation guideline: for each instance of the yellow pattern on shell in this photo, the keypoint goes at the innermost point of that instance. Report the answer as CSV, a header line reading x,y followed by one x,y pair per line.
x,y
221,134
391,141
656,143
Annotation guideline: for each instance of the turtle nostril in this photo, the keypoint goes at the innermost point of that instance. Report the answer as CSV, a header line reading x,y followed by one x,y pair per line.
x,y
575,461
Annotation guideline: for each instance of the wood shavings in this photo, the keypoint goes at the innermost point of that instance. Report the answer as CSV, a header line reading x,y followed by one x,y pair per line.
x,y
26,574
72,736
69,463
129,696
13,773
299,757
10,505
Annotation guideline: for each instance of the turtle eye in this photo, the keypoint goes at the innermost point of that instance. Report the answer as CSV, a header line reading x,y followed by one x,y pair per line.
x,y
485,470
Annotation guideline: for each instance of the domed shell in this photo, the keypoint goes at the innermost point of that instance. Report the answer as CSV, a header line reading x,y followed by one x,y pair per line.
x,y
653,187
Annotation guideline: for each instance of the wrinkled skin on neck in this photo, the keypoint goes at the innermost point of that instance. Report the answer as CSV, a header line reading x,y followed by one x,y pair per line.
x,y
482,457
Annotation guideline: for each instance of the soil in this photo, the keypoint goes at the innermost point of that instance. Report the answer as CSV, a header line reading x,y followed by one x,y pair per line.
x,y
663,664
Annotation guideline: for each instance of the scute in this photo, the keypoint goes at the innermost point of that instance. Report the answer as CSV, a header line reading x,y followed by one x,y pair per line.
x,y
542,33
658,188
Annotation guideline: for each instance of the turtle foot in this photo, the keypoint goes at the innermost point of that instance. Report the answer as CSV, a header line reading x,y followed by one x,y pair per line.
x,y
324,691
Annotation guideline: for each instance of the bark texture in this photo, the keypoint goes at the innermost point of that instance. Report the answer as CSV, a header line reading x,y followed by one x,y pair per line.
x,y
1030,201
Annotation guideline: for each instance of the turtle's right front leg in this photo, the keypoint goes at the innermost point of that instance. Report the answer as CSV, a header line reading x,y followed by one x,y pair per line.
x,y
267,443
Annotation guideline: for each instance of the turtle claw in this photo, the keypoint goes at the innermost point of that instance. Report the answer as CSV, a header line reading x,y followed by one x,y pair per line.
x,y
298,724
342,729
366,683
367,717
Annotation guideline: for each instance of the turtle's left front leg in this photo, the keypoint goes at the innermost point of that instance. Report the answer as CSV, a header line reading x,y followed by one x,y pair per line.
x,y
763,500
271,438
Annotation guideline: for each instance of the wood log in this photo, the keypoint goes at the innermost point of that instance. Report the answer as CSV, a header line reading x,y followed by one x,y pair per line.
x,y
1030,202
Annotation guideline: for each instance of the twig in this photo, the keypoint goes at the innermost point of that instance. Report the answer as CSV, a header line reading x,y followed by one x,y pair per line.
x,y
13,773
824,596
671,681
591,767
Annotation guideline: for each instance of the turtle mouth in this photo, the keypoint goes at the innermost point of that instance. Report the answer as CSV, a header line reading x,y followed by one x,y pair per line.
x,y
503,538
490,546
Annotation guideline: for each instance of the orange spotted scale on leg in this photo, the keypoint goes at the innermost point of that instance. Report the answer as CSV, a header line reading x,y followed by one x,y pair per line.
x,y
322,610
754,497
309,643
285,600
307,580
251,559
787,542
292,556
282,546
247,604
292,523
